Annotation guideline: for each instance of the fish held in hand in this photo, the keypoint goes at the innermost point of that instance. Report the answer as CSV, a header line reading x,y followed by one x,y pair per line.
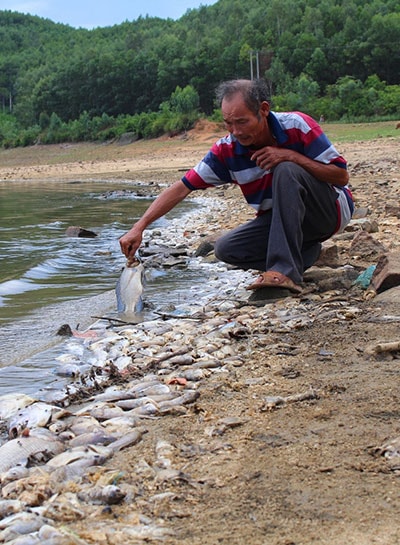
x,y
130,288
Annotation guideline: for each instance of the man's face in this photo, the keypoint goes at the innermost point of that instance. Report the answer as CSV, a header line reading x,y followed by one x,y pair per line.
x,y
250,129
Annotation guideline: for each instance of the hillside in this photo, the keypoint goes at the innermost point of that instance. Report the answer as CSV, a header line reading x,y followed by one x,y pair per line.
x,y
309,51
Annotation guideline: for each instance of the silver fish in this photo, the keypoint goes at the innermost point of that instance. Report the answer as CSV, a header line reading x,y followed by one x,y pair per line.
x,y
35,415
10,507
127,440
107,495
11,403
92,438
16,451
19,524
92,454
14,474
129,288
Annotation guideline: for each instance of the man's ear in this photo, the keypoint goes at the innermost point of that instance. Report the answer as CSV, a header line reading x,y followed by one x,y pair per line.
x,y
264,108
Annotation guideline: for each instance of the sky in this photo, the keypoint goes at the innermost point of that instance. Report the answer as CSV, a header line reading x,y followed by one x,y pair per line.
x,y
101,13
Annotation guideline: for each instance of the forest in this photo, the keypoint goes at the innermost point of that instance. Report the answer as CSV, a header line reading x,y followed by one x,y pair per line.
x,y
334,58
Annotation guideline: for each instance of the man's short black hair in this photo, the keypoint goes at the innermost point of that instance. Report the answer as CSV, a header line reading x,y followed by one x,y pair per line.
x,y
254,92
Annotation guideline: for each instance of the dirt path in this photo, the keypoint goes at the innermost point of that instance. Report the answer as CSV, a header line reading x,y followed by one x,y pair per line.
x,y
298,471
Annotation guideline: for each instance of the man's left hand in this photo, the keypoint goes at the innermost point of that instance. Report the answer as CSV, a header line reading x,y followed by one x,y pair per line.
x,y
269,157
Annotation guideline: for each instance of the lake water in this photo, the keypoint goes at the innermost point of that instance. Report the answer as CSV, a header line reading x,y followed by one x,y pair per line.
x,y
39,264
48,279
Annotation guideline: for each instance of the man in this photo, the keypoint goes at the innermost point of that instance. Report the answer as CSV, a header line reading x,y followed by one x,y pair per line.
x,y
288,171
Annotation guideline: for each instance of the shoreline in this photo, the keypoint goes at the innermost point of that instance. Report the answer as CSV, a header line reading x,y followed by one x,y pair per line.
x,y
277,424
78,310
107,160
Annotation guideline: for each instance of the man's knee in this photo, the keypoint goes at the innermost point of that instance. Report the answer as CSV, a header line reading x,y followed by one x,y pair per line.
x,y
286,166
290,171
292,179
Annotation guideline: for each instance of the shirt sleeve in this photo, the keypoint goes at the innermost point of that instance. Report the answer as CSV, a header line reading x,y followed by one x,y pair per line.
x,y
211,171
317,145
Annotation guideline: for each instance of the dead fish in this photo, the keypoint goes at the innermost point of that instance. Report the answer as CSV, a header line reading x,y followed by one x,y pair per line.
x,y
127,440
391,449
19,524
273,402
106,495
127,404
223,425
148,532
55,537
48,535
99,411
112,393
11,403
16,451
14,474
53,395
76,464
106,412
84,424
148,389
129,288
92,438
70,370
29,539
9,507
96,454
190,396
36,415
164,451
121,424
148,409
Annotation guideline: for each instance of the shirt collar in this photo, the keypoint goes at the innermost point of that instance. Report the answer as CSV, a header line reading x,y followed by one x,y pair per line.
x,y
277,131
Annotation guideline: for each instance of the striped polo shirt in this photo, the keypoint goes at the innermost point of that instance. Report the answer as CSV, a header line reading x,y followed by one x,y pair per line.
x,y
229,162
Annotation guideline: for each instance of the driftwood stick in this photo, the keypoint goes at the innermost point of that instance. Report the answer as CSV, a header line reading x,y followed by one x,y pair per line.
x,y
382,347
166,316
311,394
116,320
274,402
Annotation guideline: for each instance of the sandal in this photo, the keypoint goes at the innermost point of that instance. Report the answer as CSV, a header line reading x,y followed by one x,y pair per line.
x,y
274,279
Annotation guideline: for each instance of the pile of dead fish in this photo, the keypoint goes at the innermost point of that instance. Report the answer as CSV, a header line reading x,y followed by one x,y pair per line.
x,y
51,444
137,373
53,457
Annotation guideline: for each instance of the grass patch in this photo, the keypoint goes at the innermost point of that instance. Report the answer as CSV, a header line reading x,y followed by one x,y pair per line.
x,y
355,132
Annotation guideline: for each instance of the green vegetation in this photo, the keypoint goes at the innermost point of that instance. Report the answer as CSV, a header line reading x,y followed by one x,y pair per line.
x,y
334,58
358,132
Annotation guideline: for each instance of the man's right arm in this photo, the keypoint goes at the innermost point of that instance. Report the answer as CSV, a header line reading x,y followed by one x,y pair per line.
x,y
166,201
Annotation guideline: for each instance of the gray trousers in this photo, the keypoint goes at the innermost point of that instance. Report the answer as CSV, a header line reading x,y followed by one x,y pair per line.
x,y
287,238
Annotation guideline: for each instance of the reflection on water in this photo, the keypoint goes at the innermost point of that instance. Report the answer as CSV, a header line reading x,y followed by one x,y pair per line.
x,y
47,277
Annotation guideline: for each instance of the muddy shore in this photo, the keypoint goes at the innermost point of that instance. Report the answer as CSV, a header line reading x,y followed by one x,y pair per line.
x,y
290,468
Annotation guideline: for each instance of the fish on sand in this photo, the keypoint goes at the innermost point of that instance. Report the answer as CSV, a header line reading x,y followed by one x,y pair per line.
x,y
129,288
